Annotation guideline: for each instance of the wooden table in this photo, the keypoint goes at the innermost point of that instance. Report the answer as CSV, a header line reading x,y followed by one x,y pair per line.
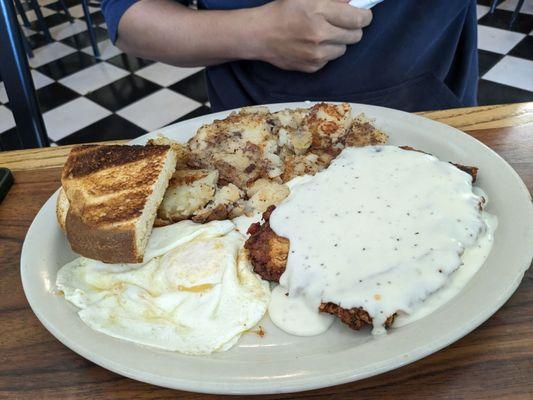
x,y
494,361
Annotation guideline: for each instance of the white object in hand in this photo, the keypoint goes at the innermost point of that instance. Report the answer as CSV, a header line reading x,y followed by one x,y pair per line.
x,y
364,3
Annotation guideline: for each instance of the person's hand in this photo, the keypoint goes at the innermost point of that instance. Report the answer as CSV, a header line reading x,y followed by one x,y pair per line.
x,y
303,35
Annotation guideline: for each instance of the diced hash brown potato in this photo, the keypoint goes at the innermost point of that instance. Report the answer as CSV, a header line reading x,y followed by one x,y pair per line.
x,y
299,165
188,191
328,125
292,139
227,203
241,147
264,193
364,133
181,149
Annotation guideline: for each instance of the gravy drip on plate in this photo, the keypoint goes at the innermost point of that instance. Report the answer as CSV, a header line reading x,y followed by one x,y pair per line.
x,y
382,229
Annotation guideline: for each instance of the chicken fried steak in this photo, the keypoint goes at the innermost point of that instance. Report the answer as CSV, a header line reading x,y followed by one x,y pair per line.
x,y
268,254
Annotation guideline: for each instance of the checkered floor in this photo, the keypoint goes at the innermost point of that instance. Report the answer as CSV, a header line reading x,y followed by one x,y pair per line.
x,y
84,99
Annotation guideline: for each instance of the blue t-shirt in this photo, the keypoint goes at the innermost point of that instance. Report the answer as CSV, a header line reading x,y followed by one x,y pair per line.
x,y
416,55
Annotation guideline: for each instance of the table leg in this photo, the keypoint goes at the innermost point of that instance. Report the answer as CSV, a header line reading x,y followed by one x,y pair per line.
x,y
18,82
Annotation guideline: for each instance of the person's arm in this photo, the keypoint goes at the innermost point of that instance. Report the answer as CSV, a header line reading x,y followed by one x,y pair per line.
x,y
291,34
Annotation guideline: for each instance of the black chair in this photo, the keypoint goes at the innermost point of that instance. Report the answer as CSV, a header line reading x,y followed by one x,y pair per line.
x,y
16,74
18,82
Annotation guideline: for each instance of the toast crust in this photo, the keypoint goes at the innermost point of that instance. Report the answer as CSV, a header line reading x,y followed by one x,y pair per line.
x,y
87,159
113,246
112,194
62,207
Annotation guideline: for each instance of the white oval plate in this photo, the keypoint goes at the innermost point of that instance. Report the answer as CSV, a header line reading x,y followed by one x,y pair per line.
x,y
279,362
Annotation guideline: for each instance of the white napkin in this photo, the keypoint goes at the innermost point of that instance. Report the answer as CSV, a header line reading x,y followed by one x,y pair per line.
x,y
364,3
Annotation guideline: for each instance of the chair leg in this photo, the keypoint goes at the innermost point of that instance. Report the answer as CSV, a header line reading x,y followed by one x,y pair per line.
x,y
22,13
89,21
40,20
516,12
493,6
18,82
65,9
26,44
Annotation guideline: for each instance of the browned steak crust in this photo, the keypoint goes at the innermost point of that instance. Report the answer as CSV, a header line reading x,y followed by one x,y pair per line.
x,y
472,171
267,251
356,318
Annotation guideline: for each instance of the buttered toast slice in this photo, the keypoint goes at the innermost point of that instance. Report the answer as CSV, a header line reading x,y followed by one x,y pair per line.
x,y
112,193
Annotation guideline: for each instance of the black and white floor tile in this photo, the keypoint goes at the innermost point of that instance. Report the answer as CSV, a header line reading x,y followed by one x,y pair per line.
x,y
505,53
117,96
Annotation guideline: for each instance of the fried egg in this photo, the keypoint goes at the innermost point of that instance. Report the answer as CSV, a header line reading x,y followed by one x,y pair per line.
x,y
195,293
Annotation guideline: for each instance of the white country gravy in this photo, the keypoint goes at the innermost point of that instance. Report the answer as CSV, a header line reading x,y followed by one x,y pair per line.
x,y
383,229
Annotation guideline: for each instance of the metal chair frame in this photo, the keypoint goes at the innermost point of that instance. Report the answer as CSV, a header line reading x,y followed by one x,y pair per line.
x,y
40,20
516,11
22,13
90,30
15,72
